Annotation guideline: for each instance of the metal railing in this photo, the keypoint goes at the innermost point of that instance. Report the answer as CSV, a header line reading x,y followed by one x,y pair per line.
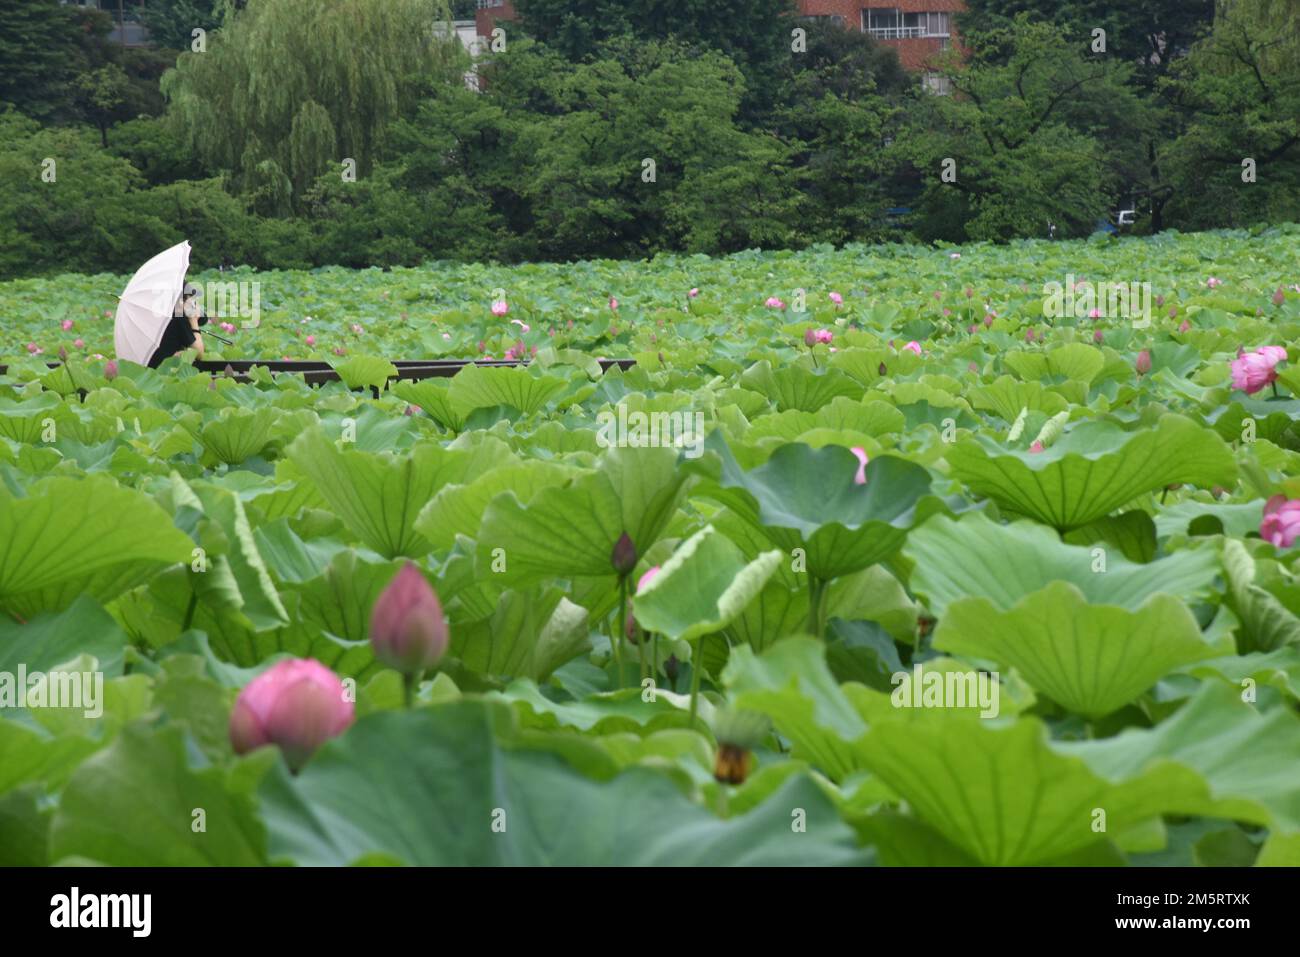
x,y
896,33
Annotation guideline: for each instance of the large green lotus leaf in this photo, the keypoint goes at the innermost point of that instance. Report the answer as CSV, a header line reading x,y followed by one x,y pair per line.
x,y
530,634
34,755
458,509
569,531
485,387
791,683
807,498
975,556
1074,360
379,496
1006,397
236,435
1217,756
52,638
339,602
1093,469
133,805
427,787
793,387
434,397
24,421
776,612
703,587
870,418
1280,669
361,371
1266,624
71,537
1133,533
624,711
24,828
1093,659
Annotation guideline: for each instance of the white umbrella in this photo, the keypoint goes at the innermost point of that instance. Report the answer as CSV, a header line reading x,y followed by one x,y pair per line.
x,y
146,305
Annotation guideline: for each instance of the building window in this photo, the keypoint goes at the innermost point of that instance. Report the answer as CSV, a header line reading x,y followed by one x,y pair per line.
x,y
893,24
834,18
936,84
485,4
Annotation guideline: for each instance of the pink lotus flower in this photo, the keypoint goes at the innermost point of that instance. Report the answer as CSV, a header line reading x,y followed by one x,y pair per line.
x,y
644,581
988,322
310,340
1036,446
1160,300
1281,522
1279,297
523,326
298,704
67,324
110,369
1212,282
1094,313
946,312
446,337
837,299
108,313
1184,326
824,336
954,255
971,328
861,477
34,349
1097,337
693,293
79,343
411,410
407,629
774,303
913,346
340,351
613,303
227,327
1029,335
500,307
359,329
1143,364
1251,371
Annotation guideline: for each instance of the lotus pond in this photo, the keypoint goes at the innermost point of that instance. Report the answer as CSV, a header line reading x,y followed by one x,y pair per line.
x,y
888,555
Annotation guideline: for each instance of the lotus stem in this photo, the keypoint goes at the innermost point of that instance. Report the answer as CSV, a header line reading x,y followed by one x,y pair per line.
x,y
616,639
696,662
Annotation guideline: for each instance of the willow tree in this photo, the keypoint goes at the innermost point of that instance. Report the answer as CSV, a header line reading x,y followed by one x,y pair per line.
x,y
288,89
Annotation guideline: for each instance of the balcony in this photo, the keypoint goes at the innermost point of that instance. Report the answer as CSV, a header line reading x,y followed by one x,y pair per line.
x,y
897,33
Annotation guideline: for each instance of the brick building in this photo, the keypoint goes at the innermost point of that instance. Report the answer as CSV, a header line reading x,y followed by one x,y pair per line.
x,y
917,28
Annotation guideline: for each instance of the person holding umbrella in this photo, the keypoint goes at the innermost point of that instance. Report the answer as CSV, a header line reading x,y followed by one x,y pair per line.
x,y
157,314
182,332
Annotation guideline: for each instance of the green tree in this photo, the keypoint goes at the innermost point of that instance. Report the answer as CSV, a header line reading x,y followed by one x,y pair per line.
x,y
102,96
289,88
171,23
42,46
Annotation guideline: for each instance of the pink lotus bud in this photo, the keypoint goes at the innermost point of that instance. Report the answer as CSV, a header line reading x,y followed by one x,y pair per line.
x,y
970,293
297,704
1097,337
1143,364
79,343
446,337
411,410
988,322
837,299
481,345
1281,522
1212,282
340,351
407,630
1184,326
954,255
861,477
310,340
500,307
1173,312
1160,300
971,328
359,329
1036,446
913,346
938,294
1029,335
34,349
624,556
523,326
946,312
694,292
1279,297
67,324
110,370
1094,313
108,313
613,303
810,337
774,303
882,370
972,367
63,354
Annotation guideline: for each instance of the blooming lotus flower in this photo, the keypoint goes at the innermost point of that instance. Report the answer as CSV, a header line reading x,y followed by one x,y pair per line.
x,y
523,326
774,303
228,327
298,704
954,255
1094,313
1281,522
861,477
914,346
1251,371
446,337
824,336
694,292
1213,282
310,340
79,343
613,303
407,629
67,324
1143,364
837,299
500,307
359,329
